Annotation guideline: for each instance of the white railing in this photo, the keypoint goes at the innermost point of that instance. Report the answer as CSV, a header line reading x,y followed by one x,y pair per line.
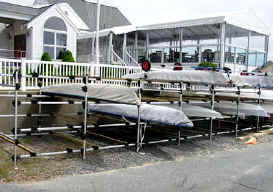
x,y
58,73
7,69
116,59
130,60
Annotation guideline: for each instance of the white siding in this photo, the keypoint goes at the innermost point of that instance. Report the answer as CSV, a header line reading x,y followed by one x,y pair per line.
x,y
38,29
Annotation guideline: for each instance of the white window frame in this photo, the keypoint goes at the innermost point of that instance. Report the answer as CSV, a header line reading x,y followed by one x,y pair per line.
x,y
55,46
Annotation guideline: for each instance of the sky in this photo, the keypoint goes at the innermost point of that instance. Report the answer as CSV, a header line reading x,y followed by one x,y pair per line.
x,y
141,12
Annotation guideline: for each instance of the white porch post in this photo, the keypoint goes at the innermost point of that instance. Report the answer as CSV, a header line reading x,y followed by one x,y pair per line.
x,y
256,59
234,59
124,47
181,46
199,52
136,46
93,50
23,74
266,49
247,52
222,44
110,48
162,56
147,45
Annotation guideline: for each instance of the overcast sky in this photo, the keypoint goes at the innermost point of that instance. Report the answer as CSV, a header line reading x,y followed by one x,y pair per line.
x,y
141,12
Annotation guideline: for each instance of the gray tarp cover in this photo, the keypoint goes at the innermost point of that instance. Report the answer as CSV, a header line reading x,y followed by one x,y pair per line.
x,y
253,81
194,111
230,108
187,76
97,92
246,94
149,113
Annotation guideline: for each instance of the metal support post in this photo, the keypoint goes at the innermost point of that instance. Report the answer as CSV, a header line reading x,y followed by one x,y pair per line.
x,y
139,127
237,112
212,90
85,89
181,108
17,87
259,103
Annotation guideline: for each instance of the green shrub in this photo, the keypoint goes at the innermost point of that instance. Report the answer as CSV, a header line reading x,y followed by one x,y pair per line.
x,y
68,56
208,64
46,57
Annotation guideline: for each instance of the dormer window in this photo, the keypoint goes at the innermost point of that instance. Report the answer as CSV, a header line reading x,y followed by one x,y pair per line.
x,y
55,37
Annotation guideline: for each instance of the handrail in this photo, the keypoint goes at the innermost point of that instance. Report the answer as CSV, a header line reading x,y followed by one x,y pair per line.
x,y
130,56
118,58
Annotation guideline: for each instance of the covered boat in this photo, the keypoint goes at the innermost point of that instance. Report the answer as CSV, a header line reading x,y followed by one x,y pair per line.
x,y
148,113
107,93
230,109
193,111
190,76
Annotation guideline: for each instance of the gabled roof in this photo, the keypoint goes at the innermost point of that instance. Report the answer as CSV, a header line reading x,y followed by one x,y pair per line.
x,y
67,14
18,11
109,16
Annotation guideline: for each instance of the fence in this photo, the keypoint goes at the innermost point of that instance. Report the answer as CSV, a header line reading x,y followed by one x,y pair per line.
x,y
58,73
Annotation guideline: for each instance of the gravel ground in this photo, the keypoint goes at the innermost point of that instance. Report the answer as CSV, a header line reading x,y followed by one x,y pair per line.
x,y
45,168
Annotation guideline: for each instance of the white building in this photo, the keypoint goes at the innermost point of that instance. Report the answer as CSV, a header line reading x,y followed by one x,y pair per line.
x,y
51,26
238,41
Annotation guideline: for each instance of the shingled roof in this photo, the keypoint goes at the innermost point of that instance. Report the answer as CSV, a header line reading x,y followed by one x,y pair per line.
x,y
110,16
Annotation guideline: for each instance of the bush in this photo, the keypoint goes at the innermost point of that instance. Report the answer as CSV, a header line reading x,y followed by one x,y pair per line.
x,y
207,64
68,56
46,57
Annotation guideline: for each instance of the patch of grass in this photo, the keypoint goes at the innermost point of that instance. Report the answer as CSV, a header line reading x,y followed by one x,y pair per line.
x,y
5,165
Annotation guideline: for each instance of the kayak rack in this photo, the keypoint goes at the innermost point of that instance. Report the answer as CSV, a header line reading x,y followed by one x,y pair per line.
x,y
82,129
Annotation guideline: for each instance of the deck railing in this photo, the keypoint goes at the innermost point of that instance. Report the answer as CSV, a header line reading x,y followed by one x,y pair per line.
x,y
58,73
61,73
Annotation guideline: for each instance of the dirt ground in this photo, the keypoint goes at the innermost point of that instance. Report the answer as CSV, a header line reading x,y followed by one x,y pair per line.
x,y
44,168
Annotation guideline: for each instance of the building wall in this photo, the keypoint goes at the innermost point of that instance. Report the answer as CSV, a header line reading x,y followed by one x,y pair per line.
x,y
37,34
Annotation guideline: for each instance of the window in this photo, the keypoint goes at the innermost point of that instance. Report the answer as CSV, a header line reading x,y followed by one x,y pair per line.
x,y
55,37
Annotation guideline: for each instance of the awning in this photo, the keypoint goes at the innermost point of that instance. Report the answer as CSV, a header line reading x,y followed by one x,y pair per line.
x,y
115,30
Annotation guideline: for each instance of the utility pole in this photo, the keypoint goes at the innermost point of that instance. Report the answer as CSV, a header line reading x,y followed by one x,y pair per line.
x,y
97,31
